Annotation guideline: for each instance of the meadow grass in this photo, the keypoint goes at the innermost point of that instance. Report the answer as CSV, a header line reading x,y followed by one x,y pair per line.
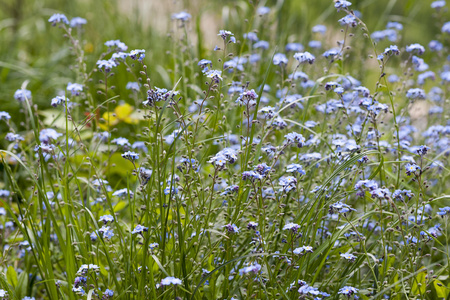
x,y
292,161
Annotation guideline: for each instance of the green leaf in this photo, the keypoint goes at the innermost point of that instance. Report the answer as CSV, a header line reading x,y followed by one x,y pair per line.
x,y
419,285
22,284
120,205
441,289
11,276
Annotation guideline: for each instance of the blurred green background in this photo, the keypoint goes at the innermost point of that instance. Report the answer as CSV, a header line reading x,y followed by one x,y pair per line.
x,y
31,49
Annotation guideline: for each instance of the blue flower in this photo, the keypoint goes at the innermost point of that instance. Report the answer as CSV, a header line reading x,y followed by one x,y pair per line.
x,y
122,193
295,168
422,150
435,45
182,16
74,88
415,48
389,34
348,256
22,95
106,65
296,47
342,4
288,183
395,25
225,34
348,20
254,268
139,229
77,22
108,294
261,44
117,44
411,168
280,59
348,291
304,57
106,231
438,4
121,141
303,249
4,116
59,100
247,98
215,75
106,219
131,156
340,208
251,36
48,134
444,211
393,49
320,29
58,18
232,228
263,10
295,138
171,280
415,94
291,227
138,54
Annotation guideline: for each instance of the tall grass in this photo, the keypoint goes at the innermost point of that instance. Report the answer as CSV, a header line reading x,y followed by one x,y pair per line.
x,y
252,174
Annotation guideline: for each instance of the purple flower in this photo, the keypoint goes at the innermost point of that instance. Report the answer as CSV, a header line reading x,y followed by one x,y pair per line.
x,y
232,228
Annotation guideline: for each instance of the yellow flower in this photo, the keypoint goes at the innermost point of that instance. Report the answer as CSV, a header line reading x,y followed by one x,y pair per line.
x,y
122,113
